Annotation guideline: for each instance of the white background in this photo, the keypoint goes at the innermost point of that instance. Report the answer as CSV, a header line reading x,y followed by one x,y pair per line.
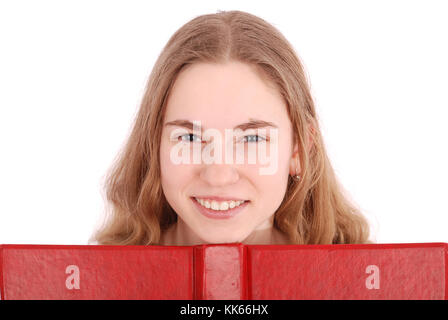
x,y
72,74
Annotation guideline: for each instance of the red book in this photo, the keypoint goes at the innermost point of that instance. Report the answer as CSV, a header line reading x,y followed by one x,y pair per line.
x,y
225,272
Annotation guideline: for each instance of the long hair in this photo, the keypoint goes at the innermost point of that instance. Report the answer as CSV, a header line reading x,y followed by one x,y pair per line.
x,y
315,210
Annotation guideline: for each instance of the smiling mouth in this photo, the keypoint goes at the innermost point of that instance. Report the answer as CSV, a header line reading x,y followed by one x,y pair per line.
x,y
219,209
219,205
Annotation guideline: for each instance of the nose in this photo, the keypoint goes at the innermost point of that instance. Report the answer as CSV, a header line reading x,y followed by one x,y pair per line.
x,y
218,175
221,173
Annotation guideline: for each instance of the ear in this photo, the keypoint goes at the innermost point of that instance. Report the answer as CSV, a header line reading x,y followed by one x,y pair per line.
x,y
294,163
295,159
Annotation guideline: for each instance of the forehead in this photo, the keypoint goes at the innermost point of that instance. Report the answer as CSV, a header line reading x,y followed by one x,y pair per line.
x,y
217,93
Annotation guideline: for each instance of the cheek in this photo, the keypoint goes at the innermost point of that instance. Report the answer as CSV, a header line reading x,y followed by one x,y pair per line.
x,y
173,176
272,191
272,188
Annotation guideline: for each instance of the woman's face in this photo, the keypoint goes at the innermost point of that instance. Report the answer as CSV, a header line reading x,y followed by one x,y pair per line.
x,y
221,97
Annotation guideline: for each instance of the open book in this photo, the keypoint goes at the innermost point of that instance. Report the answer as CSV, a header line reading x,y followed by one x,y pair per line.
x,y
225,271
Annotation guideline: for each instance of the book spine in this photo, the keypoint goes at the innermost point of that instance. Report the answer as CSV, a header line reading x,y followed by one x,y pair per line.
x,y
220,272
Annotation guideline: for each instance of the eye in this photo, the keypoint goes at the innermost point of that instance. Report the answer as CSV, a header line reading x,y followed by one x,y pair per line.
x,y
189,137
254,138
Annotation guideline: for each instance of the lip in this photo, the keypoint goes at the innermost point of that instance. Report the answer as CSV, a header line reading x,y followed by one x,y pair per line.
x,y
213,214
220,198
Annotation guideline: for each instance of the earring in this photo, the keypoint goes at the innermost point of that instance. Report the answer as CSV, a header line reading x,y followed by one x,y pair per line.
x,y
296,177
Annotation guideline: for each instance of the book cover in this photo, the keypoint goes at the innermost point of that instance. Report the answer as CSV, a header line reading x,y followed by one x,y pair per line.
x,y
416,271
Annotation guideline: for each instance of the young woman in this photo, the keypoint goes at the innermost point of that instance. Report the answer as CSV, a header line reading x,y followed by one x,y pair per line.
x,y
219,73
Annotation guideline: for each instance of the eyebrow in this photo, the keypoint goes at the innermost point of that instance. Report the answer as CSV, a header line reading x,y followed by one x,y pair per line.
x,y
252,124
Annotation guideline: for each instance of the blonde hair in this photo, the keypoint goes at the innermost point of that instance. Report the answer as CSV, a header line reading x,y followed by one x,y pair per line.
x,y
314,210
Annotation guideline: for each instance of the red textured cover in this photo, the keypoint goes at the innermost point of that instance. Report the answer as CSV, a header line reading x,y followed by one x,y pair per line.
x,y
97,272
1,272
387,271
225,271
446,271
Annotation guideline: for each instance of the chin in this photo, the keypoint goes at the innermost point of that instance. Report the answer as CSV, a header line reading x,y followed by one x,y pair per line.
x,y
223,239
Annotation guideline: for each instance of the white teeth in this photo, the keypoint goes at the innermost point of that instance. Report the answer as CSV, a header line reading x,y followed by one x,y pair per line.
x,y
215,205
219,206
224,206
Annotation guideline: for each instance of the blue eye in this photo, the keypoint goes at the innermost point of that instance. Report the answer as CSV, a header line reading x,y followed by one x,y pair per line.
x,y
257,138
189,138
